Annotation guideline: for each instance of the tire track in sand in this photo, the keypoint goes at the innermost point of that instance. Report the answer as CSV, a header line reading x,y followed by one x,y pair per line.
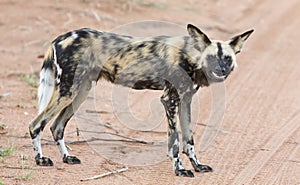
x,y
255,165
284,25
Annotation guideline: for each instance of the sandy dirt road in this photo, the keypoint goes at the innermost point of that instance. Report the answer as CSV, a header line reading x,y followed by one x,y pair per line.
x,y
257,141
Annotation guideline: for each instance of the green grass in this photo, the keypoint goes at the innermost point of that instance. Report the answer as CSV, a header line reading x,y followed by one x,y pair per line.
x,y
3,127
29,79
6,152
21,105
24,165
150,4
26,176
33,93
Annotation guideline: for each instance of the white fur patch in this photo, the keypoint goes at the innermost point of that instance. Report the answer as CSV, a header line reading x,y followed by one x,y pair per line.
x,y
62,147
74,35
176,160
170,152
58,68
37,145
191,153
46,88
177,163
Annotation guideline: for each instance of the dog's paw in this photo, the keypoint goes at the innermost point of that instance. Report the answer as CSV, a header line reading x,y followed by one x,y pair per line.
x,y
184,173
43,161
71,160
203,168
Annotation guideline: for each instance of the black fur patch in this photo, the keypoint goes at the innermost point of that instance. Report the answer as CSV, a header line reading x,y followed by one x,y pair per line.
x,y
200,78
184,173
220,51
71,160
43,161
48,64
186,64
154,84
191,141
43,124
67,61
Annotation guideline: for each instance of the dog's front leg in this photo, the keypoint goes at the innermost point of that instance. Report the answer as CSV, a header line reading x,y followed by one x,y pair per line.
x,y
170,100
187,134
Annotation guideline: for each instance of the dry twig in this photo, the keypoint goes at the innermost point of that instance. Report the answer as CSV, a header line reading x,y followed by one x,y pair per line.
x,y
106,125
105,174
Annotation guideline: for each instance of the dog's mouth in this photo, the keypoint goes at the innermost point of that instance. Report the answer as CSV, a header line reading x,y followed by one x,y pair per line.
x,y
217,77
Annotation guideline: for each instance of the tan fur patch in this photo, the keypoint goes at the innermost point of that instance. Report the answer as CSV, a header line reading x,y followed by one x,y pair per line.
x,y
66,42
49,53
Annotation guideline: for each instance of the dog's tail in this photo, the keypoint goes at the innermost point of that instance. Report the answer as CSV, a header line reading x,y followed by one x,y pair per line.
x,y
47,80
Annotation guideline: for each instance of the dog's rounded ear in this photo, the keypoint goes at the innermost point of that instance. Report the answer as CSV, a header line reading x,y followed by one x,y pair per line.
x,y
237,42
198,36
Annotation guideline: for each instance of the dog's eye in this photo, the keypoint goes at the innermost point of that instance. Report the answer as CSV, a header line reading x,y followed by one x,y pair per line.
x,y
228,60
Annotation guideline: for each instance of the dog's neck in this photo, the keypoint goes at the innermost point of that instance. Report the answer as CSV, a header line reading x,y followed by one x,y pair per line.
x,y
200,78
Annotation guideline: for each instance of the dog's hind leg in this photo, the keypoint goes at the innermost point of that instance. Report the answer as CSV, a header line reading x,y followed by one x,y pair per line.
x,y
62,119
37,125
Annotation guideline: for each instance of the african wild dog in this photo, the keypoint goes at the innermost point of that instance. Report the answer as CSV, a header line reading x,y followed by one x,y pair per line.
x,y
178,65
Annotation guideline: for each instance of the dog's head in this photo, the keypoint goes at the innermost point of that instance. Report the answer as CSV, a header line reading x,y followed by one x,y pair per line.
x,y
218,58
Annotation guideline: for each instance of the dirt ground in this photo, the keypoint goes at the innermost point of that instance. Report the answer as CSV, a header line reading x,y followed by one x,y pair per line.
x,y
256,142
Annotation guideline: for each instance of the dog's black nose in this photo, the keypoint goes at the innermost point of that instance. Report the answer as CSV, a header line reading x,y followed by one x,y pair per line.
x,y
223,69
